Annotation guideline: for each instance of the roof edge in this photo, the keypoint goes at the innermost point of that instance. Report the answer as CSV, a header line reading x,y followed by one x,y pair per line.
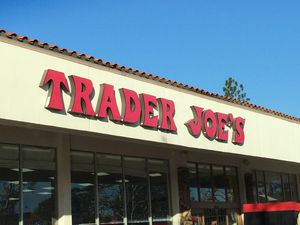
x,y
54,48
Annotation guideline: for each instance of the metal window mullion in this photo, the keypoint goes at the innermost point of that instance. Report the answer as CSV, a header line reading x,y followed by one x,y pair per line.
x,y
212,183
125,219
21,185
198,182
169,189
226,184
96,192
282,187
289,186
265,185
149,194
256,186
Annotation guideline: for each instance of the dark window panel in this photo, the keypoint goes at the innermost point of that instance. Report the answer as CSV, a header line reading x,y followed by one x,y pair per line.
x,y
82,188
293,187
9,185
274,187
205,181
219,183
193,182
39,185
286,187
110,189
136,182
158,174
260,182
232,184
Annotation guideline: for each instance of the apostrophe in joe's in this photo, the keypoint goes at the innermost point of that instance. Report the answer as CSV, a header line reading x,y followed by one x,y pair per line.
x,y
213,125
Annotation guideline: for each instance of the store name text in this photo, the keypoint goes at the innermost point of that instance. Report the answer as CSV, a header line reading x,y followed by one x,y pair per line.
x,y
144,109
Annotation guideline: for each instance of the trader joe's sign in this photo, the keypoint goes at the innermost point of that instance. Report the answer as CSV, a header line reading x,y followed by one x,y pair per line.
x,y
143,109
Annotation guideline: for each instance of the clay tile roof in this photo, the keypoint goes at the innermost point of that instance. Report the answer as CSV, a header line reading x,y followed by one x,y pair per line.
x,y
136,72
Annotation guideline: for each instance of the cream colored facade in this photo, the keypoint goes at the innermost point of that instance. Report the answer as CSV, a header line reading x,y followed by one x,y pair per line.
x,y
271,142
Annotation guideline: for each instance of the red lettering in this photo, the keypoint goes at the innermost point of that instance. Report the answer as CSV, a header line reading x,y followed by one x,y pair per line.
x,y
58,81
148,118
108,102
131,105
81,96
222,134
195,125
167,112
209,124
238,131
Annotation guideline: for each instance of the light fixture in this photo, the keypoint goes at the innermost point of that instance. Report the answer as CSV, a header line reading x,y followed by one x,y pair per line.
x,y
13,199
102,174
85,184
24,170
13,182
48,188
27,190
44,193
120,181
155,174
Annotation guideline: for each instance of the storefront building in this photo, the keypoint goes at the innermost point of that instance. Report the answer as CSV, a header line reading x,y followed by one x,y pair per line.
x,y
84,141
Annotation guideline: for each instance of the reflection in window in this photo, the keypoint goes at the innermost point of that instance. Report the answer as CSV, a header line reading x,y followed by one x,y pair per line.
x,y
232,184
136,190
286,187
193,182
9,184
39,178
274,186
110,189
261,192
274,189
82,188
158,174
216,183
205,183
219,184
293,187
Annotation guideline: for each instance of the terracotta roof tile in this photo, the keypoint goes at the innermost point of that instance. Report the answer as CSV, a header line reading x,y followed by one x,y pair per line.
x,y
82,56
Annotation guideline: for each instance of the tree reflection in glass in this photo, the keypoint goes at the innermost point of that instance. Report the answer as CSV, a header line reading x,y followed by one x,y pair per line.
x,y
136,190
39,178
110,189
158,173
83,188
9,184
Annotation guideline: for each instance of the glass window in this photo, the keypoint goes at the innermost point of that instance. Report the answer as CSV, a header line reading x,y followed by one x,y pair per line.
x,y
193,182
136,190
39,183
9,185
219,183
158,174
274,188
250,186
110,189
205,182
286,187
83,188
260,180
232,184
293,187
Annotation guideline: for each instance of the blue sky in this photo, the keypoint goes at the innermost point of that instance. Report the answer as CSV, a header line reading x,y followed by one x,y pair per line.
x,y
197,42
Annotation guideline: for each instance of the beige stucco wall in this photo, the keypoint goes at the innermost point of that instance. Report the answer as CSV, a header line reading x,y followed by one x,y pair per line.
x,y
21,98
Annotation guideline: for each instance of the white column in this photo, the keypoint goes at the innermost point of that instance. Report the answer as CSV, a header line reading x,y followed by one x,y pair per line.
x,y
64,181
